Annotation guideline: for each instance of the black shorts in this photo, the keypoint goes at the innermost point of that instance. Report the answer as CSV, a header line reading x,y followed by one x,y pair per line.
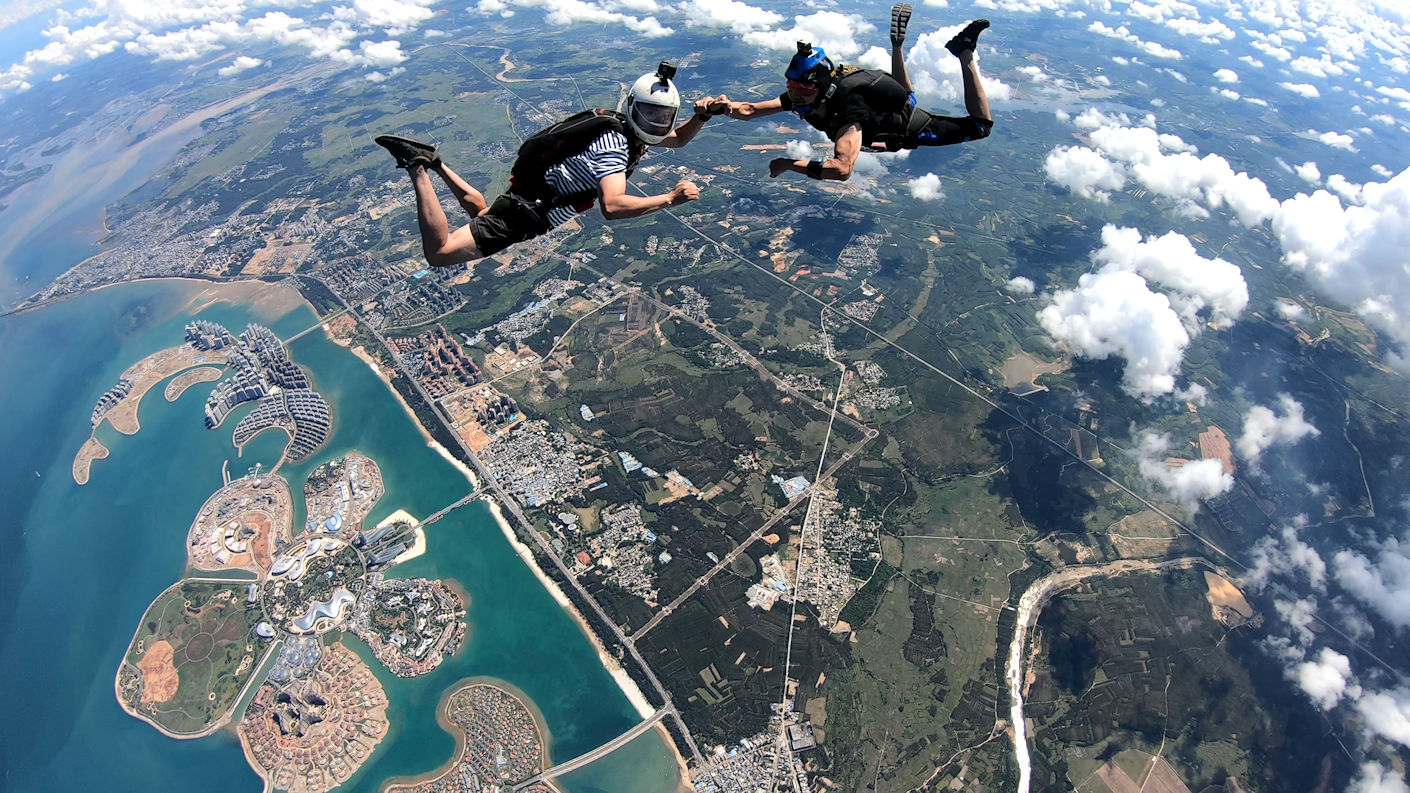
x,y
928,130
510,220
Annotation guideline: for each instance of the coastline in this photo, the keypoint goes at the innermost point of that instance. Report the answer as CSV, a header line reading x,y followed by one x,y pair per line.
x,y
442,719
430,441
418,548
624,681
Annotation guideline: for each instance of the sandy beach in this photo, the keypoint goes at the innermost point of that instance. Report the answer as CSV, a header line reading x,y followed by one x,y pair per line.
x,y
624,681
363,355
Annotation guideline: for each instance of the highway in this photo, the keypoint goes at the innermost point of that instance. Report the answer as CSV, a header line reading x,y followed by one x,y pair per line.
x,y
600,752
527,530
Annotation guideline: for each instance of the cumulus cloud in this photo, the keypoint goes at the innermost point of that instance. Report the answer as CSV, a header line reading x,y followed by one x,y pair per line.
x,y
1349,191
934,72
1286,555
241,64
1326,679
1334,139
1304,90
1116,313
1085,172
1019,285
1382,171
1308,172
1301,615
1264,428
1383,583
1149,47
926,188
1164,164
1188,482
798,150
1387,714
569,12
1289,311
1226,76
1374,778
833,31
1172,261
728,14
1357,254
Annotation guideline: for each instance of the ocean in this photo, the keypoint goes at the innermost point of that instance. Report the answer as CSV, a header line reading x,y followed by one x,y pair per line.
x,y
80,565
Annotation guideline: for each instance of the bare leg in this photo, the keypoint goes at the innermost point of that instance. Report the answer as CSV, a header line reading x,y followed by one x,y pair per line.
x,y
898,68
976,102
435,229
471,200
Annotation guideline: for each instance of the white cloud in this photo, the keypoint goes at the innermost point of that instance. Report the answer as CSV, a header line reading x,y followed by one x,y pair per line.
x,y
1289,311
933,70
1284,555
1226,93
1252,61
241,64
1301,615
1387,714
1382,171
832,31
1188,482
1334,139
1272,51
1383,584
1192,180
1308,172
1263,428
728,14
1115,313
1374,778
926,188
1172,261
798,150
1085,172
569,12
1149,47
1349,191
1305,90
1226,76
1357,254
1020,285
1326,679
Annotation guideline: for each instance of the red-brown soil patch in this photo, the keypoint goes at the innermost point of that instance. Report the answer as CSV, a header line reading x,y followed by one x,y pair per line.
x,y
159,678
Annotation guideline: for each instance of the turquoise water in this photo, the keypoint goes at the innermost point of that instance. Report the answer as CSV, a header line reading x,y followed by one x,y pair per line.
x,y
79,565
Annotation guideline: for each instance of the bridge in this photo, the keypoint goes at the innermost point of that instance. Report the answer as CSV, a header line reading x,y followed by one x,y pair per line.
x,y
441,513
598,753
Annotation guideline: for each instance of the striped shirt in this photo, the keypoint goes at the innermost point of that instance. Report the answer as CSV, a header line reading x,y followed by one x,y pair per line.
x,y
582,172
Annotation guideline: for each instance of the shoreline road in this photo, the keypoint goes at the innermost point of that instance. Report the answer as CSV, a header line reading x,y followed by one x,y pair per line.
x,y
611,746
806,495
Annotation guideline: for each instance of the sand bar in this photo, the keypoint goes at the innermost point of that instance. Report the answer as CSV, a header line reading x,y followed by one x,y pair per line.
x,y
183,381
92,449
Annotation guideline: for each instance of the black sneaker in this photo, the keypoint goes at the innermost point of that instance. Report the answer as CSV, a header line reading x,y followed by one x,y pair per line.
x,y
409,152
967,39
900,17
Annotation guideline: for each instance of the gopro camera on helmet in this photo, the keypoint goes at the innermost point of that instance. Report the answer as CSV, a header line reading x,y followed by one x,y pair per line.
x,y
805,48
666,71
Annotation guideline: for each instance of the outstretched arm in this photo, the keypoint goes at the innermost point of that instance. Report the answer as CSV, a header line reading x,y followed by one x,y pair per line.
x,y
617,205
839,168
704,108
749,111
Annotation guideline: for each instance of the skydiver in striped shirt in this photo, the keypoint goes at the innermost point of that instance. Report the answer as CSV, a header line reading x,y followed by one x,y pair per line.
x,y
560,172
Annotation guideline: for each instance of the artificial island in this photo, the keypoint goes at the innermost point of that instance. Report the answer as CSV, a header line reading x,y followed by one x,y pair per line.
x,y
260,372
318,710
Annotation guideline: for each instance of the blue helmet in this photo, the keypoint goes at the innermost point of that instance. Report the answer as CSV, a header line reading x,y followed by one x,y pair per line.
x,y
810,65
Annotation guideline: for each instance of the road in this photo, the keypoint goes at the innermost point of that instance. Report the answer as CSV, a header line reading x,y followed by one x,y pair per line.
x,y
441,513
527,530
806,495
601,751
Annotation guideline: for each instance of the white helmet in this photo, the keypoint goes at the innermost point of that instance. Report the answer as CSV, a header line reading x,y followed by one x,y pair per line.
x,y
653,104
